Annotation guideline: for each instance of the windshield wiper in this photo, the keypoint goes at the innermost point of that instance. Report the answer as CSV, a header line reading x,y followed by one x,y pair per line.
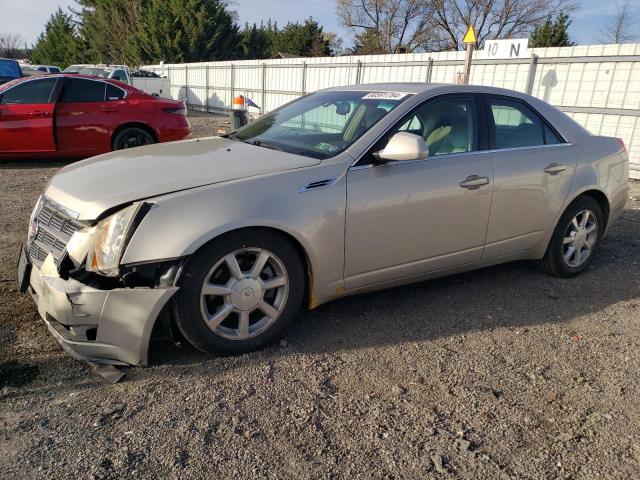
x,y
260,143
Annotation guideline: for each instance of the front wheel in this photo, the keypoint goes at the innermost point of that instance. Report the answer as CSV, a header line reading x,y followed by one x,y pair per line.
x,y
240,292
132,137
575,239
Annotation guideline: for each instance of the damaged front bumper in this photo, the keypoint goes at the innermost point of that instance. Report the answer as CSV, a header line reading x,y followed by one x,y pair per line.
x,y
111,327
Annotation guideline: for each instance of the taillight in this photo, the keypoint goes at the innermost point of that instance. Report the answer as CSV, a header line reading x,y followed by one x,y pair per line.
x,y
178,110
623,146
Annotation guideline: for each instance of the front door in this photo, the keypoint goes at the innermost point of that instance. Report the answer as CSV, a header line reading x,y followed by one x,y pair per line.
x,y
26,117
407,218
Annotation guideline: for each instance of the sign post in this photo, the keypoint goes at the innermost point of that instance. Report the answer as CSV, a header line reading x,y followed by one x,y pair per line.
x,y
469,42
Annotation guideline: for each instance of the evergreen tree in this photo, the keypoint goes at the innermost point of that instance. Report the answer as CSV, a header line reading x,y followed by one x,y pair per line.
x,y
58,44
367,42
109,29
256,43
304,40
187,31
552,33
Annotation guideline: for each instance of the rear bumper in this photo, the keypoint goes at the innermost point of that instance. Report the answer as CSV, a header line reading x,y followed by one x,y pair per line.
x,y
178,128
99,326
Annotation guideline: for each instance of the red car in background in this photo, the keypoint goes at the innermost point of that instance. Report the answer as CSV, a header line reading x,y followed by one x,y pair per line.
x,y
79,116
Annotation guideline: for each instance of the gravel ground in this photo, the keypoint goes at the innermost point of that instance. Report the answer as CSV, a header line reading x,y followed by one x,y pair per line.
x,y
499,373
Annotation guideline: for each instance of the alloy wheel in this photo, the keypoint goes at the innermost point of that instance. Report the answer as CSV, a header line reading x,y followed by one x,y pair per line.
x,y
580,238
244,293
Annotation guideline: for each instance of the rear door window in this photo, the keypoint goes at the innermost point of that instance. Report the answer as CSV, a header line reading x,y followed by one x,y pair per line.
x,y
78,90
30,92
517,125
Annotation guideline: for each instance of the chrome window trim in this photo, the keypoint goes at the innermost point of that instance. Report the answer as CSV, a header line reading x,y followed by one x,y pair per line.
x,y
435,97
105,88
355,167
126,94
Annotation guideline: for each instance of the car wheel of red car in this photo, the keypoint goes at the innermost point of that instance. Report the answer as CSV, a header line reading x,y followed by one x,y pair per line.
x,y
132,137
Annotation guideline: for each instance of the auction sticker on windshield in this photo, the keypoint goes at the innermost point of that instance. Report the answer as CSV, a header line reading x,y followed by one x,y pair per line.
x,y
384,96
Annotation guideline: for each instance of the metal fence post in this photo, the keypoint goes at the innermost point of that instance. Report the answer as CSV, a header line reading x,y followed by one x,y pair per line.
x,y
358,72
531,76
186,85
264,88
233,83
304,78
429,67
206,88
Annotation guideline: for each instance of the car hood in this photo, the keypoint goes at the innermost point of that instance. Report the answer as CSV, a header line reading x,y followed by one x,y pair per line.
x,y
92,186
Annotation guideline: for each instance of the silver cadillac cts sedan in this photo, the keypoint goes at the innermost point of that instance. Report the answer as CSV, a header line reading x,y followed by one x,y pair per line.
x,y
342,191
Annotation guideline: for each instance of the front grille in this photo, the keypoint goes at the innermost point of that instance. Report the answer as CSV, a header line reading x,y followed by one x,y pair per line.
x,y
55,228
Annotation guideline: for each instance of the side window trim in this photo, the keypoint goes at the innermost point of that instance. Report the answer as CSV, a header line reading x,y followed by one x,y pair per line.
x,y
483,132
492,126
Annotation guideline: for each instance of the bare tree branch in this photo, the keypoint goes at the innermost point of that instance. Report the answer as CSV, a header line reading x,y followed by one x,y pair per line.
x,y
421,25
12,45
619,30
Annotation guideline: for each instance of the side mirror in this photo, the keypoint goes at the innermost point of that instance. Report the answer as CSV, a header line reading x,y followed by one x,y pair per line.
x,y
404,146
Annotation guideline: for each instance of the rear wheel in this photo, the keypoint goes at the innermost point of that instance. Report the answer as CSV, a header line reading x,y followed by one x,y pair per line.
x,y
132,137
240,292
575,239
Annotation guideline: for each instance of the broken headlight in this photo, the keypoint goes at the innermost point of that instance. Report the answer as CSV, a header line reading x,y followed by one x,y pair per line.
x,y
111,237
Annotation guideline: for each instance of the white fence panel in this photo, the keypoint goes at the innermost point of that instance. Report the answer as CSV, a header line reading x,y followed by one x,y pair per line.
x,y
597,85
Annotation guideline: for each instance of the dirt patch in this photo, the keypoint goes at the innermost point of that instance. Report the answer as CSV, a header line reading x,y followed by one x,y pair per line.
x,y
500,373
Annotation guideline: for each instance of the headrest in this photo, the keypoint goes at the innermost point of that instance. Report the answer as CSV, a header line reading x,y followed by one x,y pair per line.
x,y
372,115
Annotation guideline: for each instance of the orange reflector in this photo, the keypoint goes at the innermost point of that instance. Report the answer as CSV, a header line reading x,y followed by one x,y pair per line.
x,y
238,103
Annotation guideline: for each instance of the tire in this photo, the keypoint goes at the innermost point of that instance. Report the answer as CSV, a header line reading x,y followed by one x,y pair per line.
x,y
233,312
559,260
131,137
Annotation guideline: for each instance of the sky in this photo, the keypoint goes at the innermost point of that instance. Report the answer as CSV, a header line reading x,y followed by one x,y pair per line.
x,y
28,17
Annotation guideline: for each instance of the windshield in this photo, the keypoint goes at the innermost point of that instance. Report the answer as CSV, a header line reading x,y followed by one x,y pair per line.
x,y
9,68
95,72
320,125
73,69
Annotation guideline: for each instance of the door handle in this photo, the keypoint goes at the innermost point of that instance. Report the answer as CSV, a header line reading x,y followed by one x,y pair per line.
x,y
474,181
39,114
555,168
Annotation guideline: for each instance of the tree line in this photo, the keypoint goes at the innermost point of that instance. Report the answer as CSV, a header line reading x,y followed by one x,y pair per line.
x,y
136,32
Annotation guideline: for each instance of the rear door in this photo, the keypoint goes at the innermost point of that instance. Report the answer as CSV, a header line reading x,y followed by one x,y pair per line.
x,y
84,119
26,117
533,169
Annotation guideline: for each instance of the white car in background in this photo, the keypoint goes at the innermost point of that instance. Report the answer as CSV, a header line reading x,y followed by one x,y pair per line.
x,y
112,72
46,68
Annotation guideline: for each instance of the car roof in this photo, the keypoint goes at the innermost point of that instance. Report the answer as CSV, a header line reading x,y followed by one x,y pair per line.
x,y
421,87
72,75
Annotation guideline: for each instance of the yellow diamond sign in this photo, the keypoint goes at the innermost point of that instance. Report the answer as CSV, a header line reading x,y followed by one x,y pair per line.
x,y
470,37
